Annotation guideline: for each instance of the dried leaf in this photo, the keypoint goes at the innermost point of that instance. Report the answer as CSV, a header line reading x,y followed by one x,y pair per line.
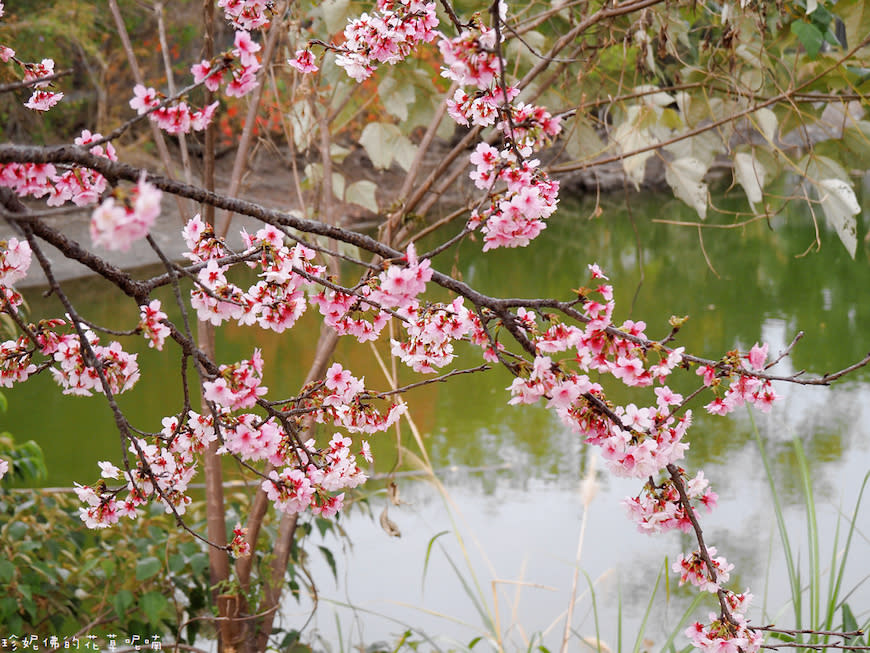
x,y
390,527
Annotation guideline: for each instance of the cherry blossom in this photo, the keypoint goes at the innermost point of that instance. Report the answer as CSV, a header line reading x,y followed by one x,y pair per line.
x,y
246,14
152,324
238,385
121,220
14,261
303,61
693,569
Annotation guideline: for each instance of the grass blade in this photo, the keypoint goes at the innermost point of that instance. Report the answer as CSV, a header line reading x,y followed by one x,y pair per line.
x,y
793,571
649,607
815,572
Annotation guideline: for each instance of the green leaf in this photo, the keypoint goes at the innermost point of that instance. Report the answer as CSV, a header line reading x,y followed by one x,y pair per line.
x,y
121,601
188,548
704,147
8,606
153,604
849,622
303,122
7,571
16,531
198,563
810,37
856,139
147,567
4,403
330,560
323,525
176,563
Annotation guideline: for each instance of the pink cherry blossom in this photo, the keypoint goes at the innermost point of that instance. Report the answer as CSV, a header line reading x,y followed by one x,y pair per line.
x,y
43,100
303,62
757,356
117,225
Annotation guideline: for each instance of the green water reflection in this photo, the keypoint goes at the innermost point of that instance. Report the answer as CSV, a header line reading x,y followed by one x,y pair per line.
x,y
757,286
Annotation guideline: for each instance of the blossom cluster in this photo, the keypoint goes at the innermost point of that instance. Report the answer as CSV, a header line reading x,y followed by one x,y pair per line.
x,y
41,100
125,217
514,216
177,118
81,186
314,486
247,14
646,441
237,68
237,386
724,635
14,261
275,302
387,35
693,569
78,377
658,508
521,195
431,331
745,388
74,371
153,325
361,314
162,471
239,65
342,400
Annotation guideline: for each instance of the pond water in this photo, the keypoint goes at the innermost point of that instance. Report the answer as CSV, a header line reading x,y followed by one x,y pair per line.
x,y
509,497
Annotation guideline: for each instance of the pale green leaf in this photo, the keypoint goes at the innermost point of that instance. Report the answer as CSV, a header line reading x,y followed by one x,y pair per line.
x,y
384,143
338,185
767,123
302,123
338,153
363,193
629,136
659,99
855,17
822,167
704,147
582,139
750,173
396,96
684,177
840,206
313,175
